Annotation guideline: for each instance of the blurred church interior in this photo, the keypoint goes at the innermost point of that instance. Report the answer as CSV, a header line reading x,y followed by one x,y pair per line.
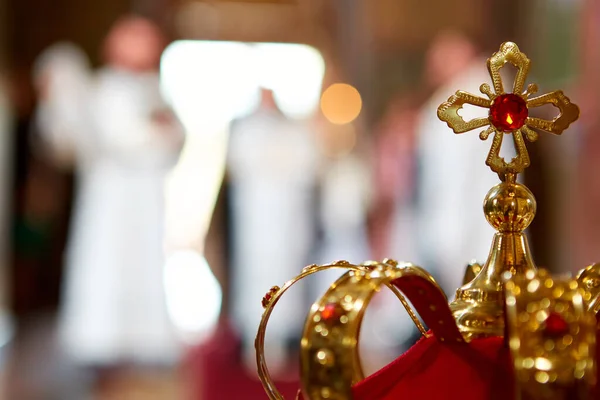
x,y
302,121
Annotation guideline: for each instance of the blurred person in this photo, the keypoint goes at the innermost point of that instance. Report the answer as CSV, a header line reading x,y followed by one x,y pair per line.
x,y
122,138
344,197
272,169
394,176
585,193
452,181
345,190
388,327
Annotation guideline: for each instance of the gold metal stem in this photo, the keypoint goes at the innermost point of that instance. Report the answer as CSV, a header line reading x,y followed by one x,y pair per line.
x,y
509,252
479,306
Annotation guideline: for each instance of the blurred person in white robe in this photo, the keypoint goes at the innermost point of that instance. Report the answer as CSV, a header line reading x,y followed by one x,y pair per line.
x,y
345,193
272,167
122,139
453,178
388,327
344,199
394,176
346,196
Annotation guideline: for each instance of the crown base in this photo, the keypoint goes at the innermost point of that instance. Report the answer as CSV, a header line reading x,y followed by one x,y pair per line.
x,y
478,307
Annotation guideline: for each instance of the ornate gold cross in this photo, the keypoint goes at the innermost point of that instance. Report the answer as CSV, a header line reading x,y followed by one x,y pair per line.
x,y
508,112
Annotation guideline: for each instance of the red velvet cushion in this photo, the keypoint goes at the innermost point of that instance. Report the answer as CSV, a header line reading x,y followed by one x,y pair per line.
x,y
434,370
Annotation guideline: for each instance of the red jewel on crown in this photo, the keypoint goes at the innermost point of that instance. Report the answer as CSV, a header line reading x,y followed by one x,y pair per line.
x,y
556,325
266,300
331,313
508,112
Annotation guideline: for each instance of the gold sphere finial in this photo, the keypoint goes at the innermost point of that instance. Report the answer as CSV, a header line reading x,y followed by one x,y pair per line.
x,y
509,207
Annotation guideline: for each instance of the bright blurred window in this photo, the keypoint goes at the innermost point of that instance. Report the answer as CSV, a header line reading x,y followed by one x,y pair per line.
x,y
209,84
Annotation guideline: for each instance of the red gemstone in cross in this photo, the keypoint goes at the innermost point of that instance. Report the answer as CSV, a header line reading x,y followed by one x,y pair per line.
x,y
508,112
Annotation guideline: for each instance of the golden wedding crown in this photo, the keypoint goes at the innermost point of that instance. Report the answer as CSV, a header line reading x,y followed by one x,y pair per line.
x,y
547,325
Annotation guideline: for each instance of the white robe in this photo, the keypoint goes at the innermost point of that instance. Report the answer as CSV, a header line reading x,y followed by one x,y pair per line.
x,y
345,190
453,181
114,307
272,164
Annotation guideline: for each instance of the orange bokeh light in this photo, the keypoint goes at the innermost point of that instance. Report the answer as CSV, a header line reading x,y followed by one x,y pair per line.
x,y
341,103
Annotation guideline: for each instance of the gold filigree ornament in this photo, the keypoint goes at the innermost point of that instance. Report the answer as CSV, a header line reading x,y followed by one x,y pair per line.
x,y
509,112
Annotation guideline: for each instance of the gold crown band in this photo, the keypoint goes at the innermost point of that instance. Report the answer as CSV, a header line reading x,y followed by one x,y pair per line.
x,y
552,336
329,356
273,296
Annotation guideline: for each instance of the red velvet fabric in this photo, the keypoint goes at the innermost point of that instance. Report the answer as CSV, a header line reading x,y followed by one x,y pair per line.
x,y
435,370
431,305
215,373
442,366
